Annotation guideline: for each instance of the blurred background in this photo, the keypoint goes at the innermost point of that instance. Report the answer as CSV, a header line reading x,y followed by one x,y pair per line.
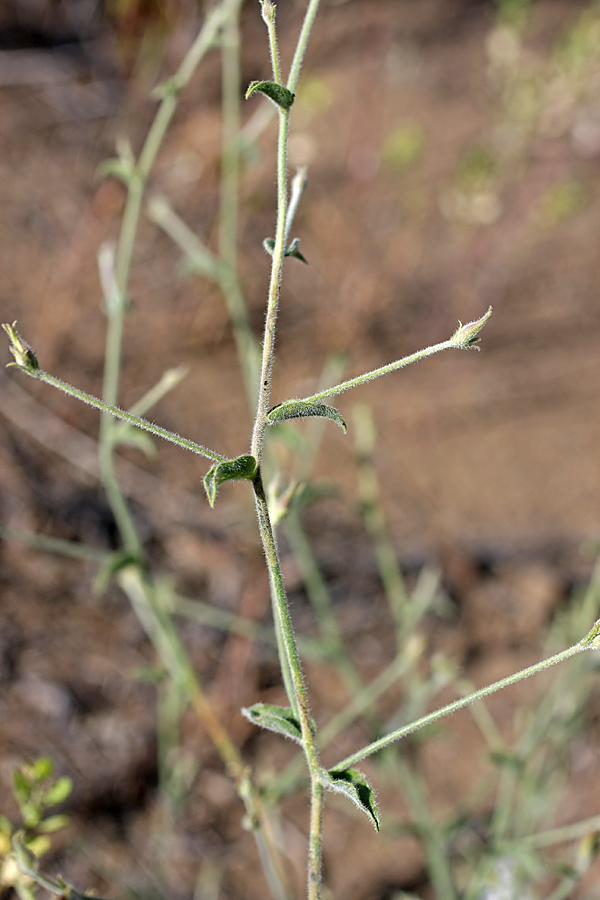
x,y
453,153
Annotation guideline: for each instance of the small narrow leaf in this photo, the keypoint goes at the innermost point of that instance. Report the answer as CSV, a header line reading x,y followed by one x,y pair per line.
x,y
41,769
241,467
58,792
275,718
293,250
53,823
128,435
300,409
21,787
109,568
355,786
277,93
121,169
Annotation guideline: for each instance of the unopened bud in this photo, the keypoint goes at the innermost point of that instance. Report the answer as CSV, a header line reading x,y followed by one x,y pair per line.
x,y
24,355
466,336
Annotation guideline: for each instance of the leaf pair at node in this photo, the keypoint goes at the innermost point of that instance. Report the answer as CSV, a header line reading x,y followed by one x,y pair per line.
x,y
349,782
292,250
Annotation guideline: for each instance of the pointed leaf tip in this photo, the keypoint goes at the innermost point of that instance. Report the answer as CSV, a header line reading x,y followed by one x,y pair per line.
x,y
275,718
355,786
228,470
301,409
277,93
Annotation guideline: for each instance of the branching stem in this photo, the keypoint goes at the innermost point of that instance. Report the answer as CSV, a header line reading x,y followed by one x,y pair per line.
x,y
437,714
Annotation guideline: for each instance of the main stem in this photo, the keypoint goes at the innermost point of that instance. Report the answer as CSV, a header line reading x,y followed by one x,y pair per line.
x,y
294,683
266,372
288,651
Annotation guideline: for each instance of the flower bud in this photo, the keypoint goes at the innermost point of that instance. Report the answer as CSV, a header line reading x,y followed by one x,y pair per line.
x,y
24,355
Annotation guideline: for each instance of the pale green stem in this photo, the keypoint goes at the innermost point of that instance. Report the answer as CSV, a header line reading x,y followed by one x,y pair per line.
x,y
268,16
201,258
286,642
247,347
369,493
464,338
166,383
124,255
230,142
316,837
437,714
295,686
297,188
148,604
124,416
27,865
54,545
106,445
290,661
435,850
302,44
264,390
562,834
377,373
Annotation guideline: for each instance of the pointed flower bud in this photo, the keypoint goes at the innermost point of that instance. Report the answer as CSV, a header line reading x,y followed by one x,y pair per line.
x,y
24,355
267,9
466,336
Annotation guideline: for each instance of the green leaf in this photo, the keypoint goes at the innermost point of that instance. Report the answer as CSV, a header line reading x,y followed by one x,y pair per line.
x,y
241,467
42,768
129,436
109,568
355,786
292,250
277,93
275,718
21,787
300,409
31,813
39,845
121,169
53,823
58,792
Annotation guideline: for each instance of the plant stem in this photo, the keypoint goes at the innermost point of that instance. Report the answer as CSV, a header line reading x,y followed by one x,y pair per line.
x,y
148,603
264,389
124,254
124,416
289,659
268,15
309,19
383,370
437,714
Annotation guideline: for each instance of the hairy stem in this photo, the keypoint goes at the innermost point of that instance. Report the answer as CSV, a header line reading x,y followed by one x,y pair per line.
x,y
437,714
124,416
